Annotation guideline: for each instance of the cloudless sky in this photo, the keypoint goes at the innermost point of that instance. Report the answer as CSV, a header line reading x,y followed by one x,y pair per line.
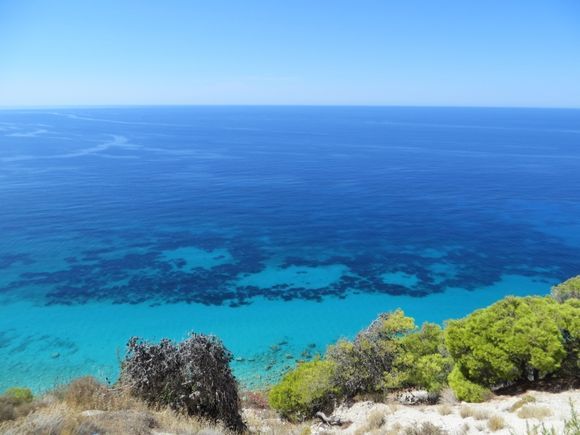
x,y
391,52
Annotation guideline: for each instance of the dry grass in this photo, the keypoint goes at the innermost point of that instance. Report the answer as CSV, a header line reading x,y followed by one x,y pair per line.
x,y
86,407
60,419
466,411
11,409
394,407
480,414
87,393
447,397
425,429
523,401
533,411
375,421
255,399
267,422
495,423
445,409
476,413
395,429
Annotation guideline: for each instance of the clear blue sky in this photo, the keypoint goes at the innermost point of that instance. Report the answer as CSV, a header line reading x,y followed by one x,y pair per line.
x,y
404,52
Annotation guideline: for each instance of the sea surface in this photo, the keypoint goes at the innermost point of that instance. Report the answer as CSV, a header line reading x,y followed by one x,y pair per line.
x,y
279,229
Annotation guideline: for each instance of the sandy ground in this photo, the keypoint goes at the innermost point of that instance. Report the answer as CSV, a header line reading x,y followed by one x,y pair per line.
x,y
495,416
533,413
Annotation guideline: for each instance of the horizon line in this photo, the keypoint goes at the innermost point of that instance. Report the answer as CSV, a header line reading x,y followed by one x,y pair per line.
x,y
169,105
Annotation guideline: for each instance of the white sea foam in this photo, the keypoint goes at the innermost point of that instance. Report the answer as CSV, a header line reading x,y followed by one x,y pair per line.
x,y
471,126
33,133
110,121
117,141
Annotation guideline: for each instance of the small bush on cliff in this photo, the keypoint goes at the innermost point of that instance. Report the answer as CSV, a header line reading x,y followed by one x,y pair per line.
x,y
305,390
421,361
515,339
193,376
14,403
569,289
22,395
361,364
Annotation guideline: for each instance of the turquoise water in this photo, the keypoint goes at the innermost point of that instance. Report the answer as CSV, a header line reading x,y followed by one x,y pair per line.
x,y
278,229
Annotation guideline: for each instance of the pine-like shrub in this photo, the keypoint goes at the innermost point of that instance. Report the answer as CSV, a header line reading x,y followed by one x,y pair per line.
x,y
513,340
305,390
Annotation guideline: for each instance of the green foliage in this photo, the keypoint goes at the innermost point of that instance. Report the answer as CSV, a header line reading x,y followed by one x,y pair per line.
x,y
512,340
305,390
421,361
569,312
569,289
23,395
361,364
465,389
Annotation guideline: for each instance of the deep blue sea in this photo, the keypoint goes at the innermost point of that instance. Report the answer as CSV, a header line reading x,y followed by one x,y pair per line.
x,y
280,229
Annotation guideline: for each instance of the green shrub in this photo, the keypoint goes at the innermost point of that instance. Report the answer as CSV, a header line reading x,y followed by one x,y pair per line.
x,y
512,340
465,389
361,364
305,390
23,395
421,361
569,289
569,311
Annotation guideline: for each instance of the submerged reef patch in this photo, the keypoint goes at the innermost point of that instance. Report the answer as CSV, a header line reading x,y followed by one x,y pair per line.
x,y
211,269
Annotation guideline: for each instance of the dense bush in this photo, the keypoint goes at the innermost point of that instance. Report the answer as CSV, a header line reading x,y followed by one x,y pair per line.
x,y
305,390
465,389
193,376
513,340
361,364
421,360
569,289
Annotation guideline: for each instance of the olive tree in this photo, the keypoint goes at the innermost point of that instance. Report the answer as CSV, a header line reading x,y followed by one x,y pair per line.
x,y
192,376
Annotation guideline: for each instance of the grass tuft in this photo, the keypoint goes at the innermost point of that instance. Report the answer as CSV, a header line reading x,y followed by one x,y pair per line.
x,y
495,423
532,411
425,429
375,421
444,409
523,401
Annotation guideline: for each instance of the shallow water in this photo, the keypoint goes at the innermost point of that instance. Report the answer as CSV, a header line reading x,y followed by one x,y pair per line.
x,y
278,229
